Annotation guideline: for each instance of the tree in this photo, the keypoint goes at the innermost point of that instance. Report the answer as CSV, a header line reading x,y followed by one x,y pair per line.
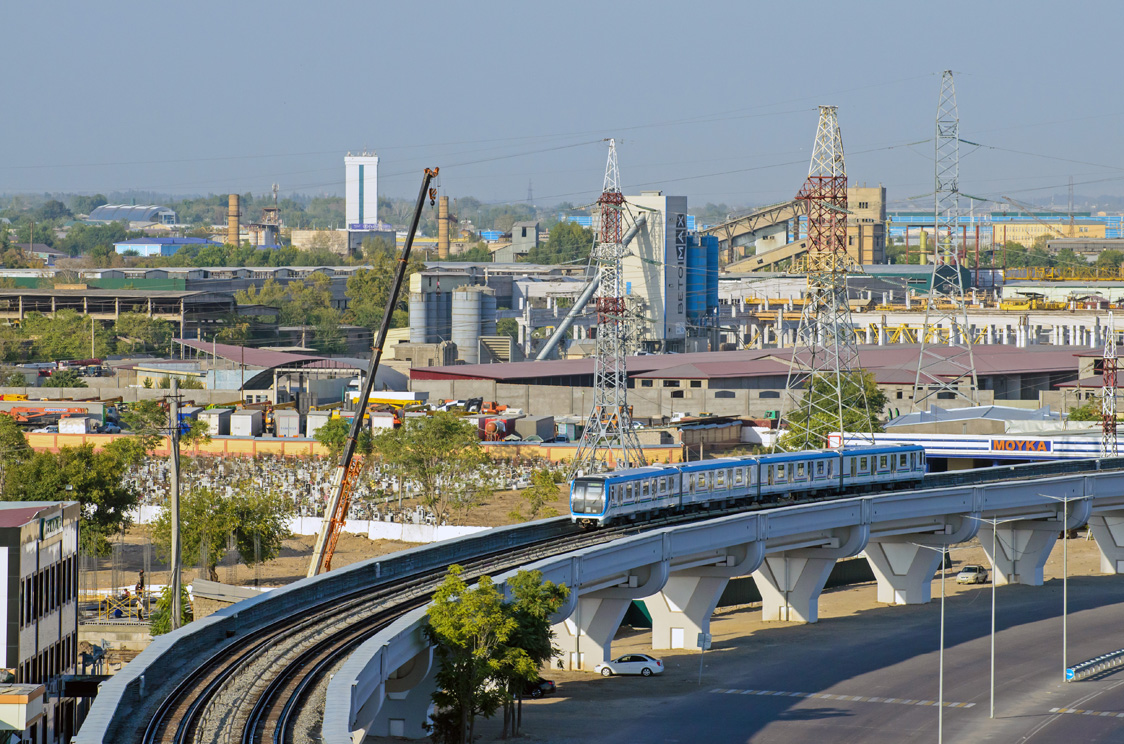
x,y
1109,259
87,204
262,522
142,331
542,491
1090,410
14,449
441,455
369,289
65,378
508,327
333,435
569,242
66,335
148,421
161,620
468,628
12,378
53,209
94,479
478,253
823,418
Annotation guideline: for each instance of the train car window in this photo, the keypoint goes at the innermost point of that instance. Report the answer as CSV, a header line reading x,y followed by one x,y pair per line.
x,y
739,476
644,491
800,470
820,468
862,464
769,475
903,460
854,466
882,462
720,479
782,472
690,483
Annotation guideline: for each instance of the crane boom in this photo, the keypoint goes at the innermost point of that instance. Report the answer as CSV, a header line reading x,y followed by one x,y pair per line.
x,y
343,482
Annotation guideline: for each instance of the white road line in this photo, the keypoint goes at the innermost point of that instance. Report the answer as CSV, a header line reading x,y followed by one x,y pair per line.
x,y
849,698
1083,712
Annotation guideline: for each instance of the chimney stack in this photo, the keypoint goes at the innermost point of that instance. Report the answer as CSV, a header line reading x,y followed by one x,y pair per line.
x,y
233,212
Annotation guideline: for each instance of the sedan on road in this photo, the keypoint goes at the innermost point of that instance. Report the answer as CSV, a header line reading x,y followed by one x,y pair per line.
x,y
641,664
972,575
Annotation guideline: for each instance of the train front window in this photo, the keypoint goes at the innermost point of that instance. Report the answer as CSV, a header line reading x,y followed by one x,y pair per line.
x,y
588,497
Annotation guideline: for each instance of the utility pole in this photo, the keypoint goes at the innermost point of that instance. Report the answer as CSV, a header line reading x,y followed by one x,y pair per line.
x,y
609,440
93,355
944,307
174,498
825,357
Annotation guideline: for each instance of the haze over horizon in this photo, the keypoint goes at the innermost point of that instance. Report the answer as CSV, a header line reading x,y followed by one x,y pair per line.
x,y
717,102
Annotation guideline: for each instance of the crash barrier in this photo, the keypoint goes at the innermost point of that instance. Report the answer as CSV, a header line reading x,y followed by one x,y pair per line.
x,y
1094,666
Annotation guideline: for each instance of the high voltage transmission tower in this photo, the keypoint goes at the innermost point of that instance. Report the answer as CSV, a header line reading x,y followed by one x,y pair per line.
x,y
825,360
1108,394
945,366
609,440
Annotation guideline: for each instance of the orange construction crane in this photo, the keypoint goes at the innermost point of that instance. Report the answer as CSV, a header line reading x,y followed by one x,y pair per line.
x,y
347,473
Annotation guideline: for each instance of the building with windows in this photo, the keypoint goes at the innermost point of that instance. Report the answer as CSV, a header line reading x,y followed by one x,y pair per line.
x,y
39,547
159,246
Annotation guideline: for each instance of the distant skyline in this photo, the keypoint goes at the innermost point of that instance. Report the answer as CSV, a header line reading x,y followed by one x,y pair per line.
x,y
715,100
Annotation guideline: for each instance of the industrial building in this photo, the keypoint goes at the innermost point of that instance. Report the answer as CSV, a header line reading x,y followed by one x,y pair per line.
x,y
135,216
1087,248
147,247
361,190
738,383
39,546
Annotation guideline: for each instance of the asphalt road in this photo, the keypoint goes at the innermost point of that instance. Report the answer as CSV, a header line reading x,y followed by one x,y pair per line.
x,y
872,677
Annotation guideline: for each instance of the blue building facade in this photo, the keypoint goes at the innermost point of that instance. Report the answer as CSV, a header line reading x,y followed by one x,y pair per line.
x,y
159,246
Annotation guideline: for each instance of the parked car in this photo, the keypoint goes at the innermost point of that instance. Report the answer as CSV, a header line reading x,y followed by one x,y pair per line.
x,y
539,687
641,664
972,575
110,429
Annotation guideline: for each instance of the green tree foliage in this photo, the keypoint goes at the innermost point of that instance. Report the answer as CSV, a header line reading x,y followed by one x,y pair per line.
x,y
14,258
369,289
81,239
65,336
65,378
542,491
1110,259
441,455
298,302
139,332
508,327
161,620
147,420
14,449
52,209
569,242
87,204
93,478
208,521
12,378
478,253
1090,410
333,435
819,418
487,649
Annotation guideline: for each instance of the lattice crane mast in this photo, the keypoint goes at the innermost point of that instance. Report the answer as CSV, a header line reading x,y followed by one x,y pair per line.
x,y
343,482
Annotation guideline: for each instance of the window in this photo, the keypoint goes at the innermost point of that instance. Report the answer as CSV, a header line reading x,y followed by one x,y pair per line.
x,y
864,205
819,468
882,462
800,470
902,460
524,232
648,383
720,479
696,383
676,393
671,383
724,394
780,473
739,476
644,492
854,463
862,464
769,394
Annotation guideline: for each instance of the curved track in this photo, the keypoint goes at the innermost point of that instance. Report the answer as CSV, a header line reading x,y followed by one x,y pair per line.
x,y
256,688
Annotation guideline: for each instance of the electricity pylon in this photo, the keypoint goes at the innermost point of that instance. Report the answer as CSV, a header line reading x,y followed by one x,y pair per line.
x,y
951,372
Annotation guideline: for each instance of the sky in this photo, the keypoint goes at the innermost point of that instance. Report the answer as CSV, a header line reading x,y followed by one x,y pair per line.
x,y
716,100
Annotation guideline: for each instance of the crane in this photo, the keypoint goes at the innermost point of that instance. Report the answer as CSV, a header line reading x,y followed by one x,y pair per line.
x,y
343,482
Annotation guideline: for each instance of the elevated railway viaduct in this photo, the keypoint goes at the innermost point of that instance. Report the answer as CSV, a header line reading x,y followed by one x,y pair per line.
x,y
679,568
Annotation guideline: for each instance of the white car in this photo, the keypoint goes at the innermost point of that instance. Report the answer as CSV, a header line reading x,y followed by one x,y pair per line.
x,y
972,575
641,664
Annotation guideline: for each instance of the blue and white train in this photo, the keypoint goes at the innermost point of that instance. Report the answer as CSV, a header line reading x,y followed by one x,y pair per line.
x,y
639,493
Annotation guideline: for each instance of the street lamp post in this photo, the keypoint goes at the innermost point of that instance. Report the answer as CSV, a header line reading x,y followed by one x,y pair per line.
x,y
944,551
1065,576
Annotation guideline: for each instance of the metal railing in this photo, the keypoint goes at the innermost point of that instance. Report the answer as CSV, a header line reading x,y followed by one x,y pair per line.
x,y
1094,666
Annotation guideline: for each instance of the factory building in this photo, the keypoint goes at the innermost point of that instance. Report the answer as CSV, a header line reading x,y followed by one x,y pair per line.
x,y
135,215
361,190
148,247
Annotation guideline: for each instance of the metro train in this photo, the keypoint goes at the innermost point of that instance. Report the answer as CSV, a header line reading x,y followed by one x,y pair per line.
x,y
640,493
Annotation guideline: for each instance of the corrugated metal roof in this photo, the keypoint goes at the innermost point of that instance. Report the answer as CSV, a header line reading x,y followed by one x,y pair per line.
x,y
265,359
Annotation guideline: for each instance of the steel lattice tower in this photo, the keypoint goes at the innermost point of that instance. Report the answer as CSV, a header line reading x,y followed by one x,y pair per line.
x,y
1108,394
954,370
825,354
609,440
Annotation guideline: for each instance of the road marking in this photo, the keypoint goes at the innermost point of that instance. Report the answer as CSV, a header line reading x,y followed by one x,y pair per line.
x,y
1083,712
859,699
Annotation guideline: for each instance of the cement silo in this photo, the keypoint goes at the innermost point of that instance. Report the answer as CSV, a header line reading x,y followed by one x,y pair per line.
x,y
711,244
418,331
472,307
696,281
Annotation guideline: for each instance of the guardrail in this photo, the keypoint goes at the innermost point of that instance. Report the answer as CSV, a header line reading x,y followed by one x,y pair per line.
x,y
1094,666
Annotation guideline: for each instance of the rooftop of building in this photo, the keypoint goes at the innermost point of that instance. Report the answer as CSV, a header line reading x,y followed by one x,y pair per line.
x,y
936,414
127,213
167,241
19,513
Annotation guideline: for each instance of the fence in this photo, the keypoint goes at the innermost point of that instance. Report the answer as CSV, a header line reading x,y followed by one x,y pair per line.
x,y
1094,666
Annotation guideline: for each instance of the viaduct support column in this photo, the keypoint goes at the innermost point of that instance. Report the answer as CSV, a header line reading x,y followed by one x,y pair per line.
x,y
585,638
790,582
405,709
1022,547
904,565
1108,531
684,608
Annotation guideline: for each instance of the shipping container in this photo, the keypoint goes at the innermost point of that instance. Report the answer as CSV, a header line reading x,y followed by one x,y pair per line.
x,y
537,426
245,423
287,423
217,420
315,420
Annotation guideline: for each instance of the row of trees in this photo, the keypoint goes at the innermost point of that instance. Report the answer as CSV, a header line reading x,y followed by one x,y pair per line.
x,y
67,335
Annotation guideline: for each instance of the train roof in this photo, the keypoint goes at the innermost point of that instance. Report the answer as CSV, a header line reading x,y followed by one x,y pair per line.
x,y
804,455
689,467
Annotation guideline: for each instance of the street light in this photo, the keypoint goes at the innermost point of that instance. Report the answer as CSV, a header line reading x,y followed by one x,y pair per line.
x,y
994,571
1065,575
944,551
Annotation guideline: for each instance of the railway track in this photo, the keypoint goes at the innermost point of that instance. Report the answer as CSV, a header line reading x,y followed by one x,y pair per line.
x,y
268,686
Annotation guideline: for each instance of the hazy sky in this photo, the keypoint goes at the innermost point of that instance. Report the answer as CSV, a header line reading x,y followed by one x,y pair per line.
x,y
716,100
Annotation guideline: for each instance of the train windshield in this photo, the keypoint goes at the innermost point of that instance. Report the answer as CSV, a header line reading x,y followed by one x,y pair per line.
x,y
587,497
